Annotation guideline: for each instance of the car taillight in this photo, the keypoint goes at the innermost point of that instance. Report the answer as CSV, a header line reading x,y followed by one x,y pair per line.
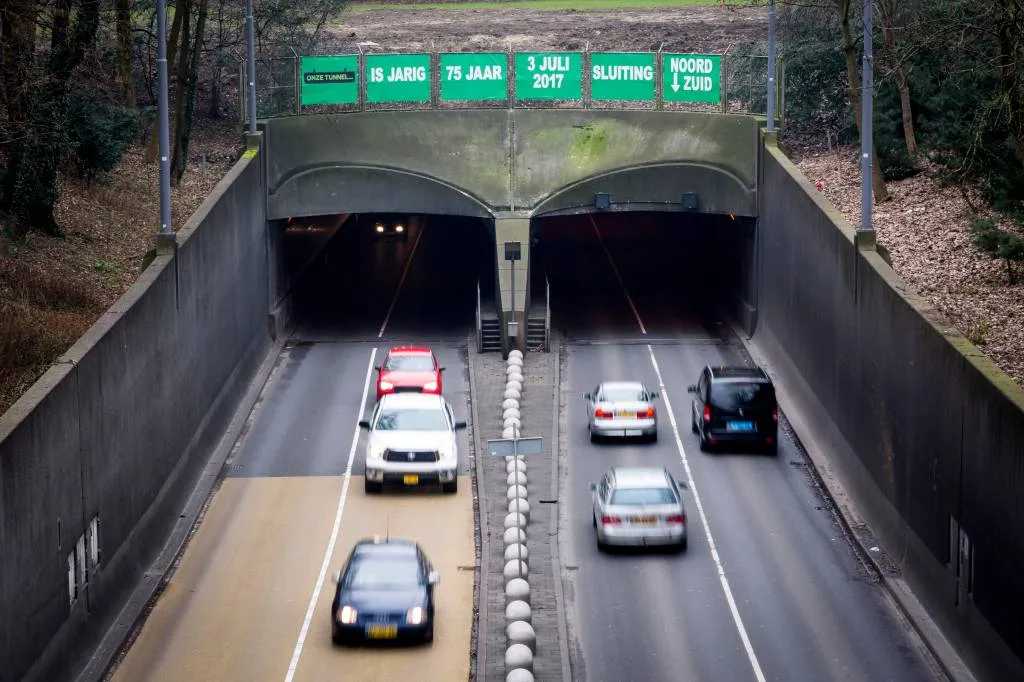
x,y
775,414
676,518
603,414
707,413
386,385
610,520
648,413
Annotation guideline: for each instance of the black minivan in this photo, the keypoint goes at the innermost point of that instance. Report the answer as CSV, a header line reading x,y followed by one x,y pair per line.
x,y
735,405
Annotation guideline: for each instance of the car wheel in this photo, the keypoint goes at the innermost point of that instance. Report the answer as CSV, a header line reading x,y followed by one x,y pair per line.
x,y
428,635
450,488
653,437
372,487
693,421
593,437
593,520
702,441
773,449
681,547
336,637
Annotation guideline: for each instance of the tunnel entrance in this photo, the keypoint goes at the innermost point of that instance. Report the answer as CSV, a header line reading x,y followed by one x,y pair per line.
x,y
405,277
653,274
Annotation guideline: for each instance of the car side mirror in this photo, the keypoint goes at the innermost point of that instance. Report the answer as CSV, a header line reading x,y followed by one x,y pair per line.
x,y
654,395
691,389
460,424
682,485
336,577
377,367
440,369
433,577
593,486
586,396
363,424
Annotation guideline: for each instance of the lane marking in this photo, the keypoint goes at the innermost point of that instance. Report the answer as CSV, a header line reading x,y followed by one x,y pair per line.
x,y
329,554
405,273
691,482
615,269
723,579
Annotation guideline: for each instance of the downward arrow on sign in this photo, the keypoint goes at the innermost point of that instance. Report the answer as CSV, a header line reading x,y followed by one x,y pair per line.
x,y
675,81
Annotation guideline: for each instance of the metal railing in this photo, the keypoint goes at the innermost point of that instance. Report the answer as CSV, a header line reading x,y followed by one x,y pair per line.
x,y
547,313
479,321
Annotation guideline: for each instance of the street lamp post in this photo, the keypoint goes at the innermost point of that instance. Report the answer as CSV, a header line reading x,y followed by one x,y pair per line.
x,y
866,133
250,66
162,122
771,66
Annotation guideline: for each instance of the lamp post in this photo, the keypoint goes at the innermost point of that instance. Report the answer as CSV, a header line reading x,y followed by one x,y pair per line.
x,y
866,133
771,66
250,66
162,122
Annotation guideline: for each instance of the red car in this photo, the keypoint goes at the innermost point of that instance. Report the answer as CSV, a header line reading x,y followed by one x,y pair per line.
x,y
409,369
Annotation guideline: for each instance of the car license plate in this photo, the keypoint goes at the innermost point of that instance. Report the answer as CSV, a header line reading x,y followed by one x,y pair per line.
x,y
740,426
628,414
382,631
634,432
411,479
644,521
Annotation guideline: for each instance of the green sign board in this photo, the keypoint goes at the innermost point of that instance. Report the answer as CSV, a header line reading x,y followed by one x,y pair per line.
x,y
549,75
692,77
622,76
398,78
329,80
473,77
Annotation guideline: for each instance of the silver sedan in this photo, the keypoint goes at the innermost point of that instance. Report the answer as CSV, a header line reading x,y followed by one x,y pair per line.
x,y
639,506
621,408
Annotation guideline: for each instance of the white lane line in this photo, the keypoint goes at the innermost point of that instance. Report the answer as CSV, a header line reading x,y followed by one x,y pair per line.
x,y
751,656
663,390
405,272
615,269
329,554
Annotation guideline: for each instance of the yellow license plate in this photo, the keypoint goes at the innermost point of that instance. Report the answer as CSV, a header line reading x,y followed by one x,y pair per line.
x,y
382,631
644,520
625,413
411,479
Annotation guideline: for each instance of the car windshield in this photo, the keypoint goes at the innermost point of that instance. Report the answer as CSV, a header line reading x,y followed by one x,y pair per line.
x,y
639,496
412,420
732,396
392,573
621,394
409,363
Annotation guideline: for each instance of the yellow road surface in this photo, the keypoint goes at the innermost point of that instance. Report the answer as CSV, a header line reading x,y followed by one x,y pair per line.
x,y
235,606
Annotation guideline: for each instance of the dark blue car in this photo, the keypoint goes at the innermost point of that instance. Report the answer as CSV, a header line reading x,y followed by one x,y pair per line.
x,y
385,593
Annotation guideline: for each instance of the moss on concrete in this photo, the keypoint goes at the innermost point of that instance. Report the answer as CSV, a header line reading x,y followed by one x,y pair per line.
x,y
589,145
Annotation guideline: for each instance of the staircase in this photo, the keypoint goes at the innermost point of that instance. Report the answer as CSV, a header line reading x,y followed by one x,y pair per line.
x,y
536,334
490,335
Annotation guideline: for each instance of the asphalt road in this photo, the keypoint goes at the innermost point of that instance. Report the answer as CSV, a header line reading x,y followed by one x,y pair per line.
x,y
769,588
250,596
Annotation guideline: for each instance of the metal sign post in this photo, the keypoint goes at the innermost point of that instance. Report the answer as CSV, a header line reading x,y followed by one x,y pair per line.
x,y
513,252
513,447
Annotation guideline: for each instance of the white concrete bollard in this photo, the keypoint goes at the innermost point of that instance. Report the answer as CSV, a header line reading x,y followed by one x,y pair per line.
x,y
515,491
508,432
512,423
509,402
517,384
515,353
517,589
516,569
513,369
512,464
520,632
510,412
513,375
516,478
514,536
519,675
513,393
515,520
521,506
517,551
519,656
514,360
518,610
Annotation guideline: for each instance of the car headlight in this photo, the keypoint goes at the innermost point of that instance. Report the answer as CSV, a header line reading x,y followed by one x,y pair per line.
x,y
386,385
446,453
430,386
380,228
414,616
375,452
347,615
399,228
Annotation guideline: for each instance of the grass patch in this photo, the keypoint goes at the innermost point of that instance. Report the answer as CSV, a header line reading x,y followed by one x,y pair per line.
x,y
542,5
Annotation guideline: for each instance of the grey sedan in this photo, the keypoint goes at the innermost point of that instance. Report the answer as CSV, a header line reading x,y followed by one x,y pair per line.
x,y
639,506
621,408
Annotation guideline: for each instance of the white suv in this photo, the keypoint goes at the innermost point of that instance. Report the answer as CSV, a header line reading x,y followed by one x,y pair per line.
x,y
412,441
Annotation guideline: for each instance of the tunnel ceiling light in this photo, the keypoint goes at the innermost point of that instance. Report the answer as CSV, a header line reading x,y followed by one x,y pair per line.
x,y
690,201
602,201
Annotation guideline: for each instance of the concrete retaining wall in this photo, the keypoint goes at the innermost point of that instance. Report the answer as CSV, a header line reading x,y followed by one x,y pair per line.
x,y
935,431
118,429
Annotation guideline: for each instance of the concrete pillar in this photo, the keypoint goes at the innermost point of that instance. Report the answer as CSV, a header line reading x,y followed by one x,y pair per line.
x,y
512,230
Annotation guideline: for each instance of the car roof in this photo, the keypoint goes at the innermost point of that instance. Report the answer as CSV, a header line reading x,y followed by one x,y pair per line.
x,y
395,547
410,350
419,401
622,384
639,476
735,373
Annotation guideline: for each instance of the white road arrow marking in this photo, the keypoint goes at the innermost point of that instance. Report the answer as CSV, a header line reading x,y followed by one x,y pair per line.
x,y
675,81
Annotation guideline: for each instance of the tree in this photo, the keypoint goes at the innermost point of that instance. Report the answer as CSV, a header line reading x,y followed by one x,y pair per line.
x,y
888,10
1005,242
17,45
124,76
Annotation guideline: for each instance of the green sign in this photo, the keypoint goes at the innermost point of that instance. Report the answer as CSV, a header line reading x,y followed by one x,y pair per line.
x,y
549,75
473,77
622,76
398,78
692,77
329,80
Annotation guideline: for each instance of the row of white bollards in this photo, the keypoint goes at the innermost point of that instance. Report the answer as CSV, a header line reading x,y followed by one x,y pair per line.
x,y
521,639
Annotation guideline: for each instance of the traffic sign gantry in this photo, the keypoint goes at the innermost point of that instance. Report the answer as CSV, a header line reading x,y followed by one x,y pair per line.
x,y
549,75
474,77
622,76
692,78
398,78
329,80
